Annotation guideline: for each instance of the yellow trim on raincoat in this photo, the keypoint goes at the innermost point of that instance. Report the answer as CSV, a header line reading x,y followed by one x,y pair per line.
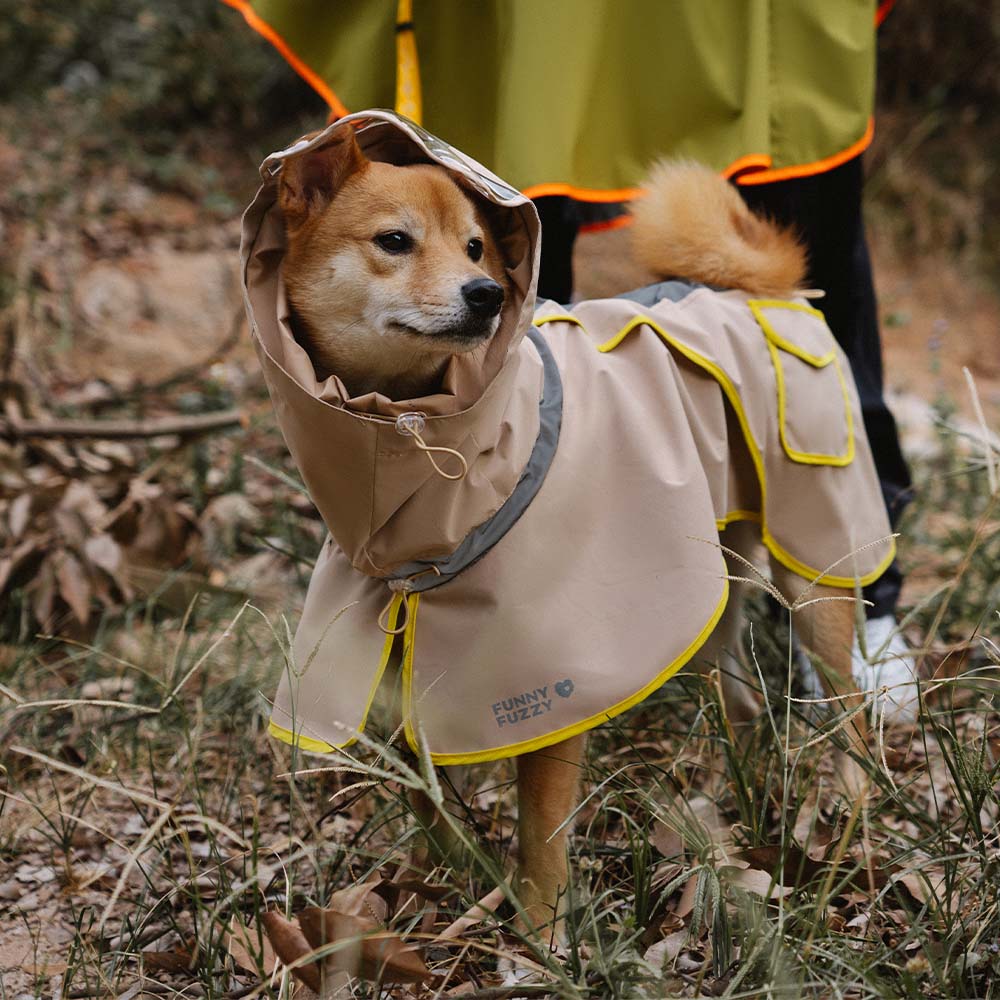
x,y
320,746
540,742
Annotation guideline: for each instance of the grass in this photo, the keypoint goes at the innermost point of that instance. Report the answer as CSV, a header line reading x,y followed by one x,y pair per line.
x,y
145,809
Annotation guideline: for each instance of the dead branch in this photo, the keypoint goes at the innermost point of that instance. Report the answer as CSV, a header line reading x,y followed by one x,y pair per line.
x,y
201,423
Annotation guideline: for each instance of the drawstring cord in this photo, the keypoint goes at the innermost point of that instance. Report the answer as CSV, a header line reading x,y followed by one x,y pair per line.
x,y
404,587
412,425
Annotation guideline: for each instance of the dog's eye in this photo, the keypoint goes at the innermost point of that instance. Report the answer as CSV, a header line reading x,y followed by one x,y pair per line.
x,y
474,248
394,242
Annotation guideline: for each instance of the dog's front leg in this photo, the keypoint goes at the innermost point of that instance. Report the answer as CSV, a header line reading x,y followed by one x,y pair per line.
x,y
547,783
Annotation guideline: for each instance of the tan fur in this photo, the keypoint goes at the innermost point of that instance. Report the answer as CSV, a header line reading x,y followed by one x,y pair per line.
x,y
693,225
383,323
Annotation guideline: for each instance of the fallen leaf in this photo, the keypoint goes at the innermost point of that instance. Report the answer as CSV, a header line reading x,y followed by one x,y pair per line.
x,y
74,587
361,901
242,944
425,890
19,514
35,875
664,952
103,551
667,841
686,903
43,593
381,956
788,864
477,913
290,945
754,880
179,959
43,968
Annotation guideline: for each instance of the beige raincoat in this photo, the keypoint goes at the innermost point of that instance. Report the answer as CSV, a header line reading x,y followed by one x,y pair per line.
x,y
576,566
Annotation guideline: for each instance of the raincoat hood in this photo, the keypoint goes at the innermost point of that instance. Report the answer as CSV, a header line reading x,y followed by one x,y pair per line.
x,y
399,509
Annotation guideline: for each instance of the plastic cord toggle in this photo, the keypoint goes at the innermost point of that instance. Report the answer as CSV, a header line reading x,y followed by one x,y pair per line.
x,y
412,424
402,586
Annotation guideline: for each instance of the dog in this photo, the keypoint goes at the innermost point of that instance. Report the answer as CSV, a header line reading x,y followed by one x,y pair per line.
x,y
397,276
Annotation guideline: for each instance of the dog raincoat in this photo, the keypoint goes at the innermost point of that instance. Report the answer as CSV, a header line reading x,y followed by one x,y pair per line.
x,y
573,565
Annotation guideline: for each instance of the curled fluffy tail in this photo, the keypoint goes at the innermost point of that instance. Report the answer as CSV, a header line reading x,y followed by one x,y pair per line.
x,y
693,225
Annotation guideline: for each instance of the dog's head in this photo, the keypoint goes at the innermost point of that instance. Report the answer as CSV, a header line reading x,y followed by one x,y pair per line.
x,y
390,270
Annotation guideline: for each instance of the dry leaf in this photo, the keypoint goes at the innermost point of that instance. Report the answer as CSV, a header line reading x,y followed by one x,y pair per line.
x,y
798,870
380,956
686,903
756,881
74,587
19,514
664,952
361,901
425,890
667,841
289,945
242,944
43,593
179,959
477,913
103,551
928,887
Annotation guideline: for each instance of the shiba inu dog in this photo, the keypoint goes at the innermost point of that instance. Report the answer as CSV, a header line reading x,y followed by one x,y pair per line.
x,y
390,285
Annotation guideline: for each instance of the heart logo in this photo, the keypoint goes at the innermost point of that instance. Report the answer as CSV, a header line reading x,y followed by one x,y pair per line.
x,y
564,688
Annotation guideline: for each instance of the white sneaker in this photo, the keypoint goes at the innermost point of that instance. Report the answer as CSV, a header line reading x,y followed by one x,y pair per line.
x,y
889,664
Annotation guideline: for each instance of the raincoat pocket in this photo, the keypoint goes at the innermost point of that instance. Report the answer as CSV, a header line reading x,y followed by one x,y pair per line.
x,y
814,408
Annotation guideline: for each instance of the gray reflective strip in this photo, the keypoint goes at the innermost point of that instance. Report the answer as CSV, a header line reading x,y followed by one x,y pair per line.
x,y
482,538
651,294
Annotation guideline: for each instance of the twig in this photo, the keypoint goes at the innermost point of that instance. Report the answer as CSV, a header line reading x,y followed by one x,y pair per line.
x,y
139,940
200,423
525,990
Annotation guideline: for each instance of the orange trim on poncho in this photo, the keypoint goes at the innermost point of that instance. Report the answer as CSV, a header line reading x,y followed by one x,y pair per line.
x,y
754,168
265,30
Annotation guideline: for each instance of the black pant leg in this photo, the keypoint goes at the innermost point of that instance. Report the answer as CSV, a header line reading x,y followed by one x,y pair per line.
x,y
560,226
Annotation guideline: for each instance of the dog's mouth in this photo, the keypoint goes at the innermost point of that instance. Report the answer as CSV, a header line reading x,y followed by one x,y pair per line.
x,y
466,335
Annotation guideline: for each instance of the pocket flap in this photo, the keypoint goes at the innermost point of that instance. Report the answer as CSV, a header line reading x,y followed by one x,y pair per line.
x,y
815,421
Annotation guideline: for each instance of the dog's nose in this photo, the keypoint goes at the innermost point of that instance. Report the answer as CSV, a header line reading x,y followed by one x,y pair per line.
x,y
483,296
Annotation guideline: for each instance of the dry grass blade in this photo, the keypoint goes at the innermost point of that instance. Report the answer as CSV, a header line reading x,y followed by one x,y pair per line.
x,y
988,447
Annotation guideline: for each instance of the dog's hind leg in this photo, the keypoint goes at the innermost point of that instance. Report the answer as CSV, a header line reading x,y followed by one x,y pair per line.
x,y
547,783
724,650
436,841
826,629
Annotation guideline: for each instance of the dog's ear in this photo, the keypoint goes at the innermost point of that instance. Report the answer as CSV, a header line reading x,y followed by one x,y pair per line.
x,y
308,182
